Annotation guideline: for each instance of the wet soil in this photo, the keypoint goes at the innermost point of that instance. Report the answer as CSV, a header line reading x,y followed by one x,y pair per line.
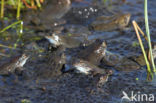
x,y
40,83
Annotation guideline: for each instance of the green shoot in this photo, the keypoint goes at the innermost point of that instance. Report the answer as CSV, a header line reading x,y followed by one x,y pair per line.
x,y
148,34
2,8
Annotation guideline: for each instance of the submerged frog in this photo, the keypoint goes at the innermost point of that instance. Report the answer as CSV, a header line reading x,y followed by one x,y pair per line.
x,y
15,63
66,41
119,62
140,58
111,23
94,52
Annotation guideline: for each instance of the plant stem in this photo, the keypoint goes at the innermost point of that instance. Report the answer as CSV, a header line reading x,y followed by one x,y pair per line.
x,y
6,28
143,50
38,3
2,8
148,34
18,9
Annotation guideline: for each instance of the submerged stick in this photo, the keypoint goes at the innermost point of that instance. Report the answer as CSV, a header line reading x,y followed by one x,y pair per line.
x,y
4,46
15,23
1,54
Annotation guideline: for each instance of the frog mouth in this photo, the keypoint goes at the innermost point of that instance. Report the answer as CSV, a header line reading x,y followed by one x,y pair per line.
x,y
22,60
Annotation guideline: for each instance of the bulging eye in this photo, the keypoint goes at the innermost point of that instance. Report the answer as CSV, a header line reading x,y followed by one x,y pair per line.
x,y
24,56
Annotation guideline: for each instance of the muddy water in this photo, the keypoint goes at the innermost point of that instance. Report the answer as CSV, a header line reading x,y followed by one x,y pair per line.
x,y
37,86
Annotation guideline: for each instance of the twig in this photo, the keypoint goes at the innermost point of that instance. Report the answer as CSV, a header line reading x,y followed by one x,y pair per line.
x,y
143,50
141,32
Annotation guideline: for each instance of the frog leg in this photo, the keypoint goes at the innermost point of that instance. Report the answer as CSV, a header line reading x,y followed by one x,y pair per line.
x,y
18,71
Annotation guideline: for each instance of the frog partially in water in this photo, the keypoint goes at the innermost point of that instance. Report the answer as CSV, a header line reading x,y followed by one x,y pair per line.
x,y
94,52
87,61
111,23
50,16
66,41
55,63
119,62
86,67
97,54
15,63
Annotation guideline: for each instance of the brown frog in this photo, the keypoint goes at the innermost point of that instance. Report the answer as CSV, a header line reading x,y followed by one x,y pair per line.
x,y
94,52
140,58
13,64
55,63
66,41
50,16
86,67
119,62
103,23
86,61
100,80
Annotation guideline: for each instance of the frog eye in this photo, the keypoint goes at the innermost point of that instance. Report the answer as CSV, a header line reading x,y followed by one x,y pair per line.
x,y
24,56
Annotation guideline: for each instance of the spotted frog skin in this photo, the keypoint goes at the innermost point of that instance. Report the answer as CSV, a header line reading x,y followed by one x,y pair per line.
x,y
119,21
94,52
86,67
10,67
86,61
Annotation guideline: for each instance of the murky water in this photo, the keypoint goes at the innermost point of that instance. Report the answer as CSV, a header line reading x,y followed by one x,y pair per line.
x,y
39,87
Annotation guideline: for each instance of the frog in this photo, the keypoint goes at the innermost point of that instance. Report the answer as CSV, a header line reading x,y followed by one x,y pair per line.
x,y
85,67
50,16
54,65
15,63
98,55
140,58
119,62
111,23
89,60
63,40
96,52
